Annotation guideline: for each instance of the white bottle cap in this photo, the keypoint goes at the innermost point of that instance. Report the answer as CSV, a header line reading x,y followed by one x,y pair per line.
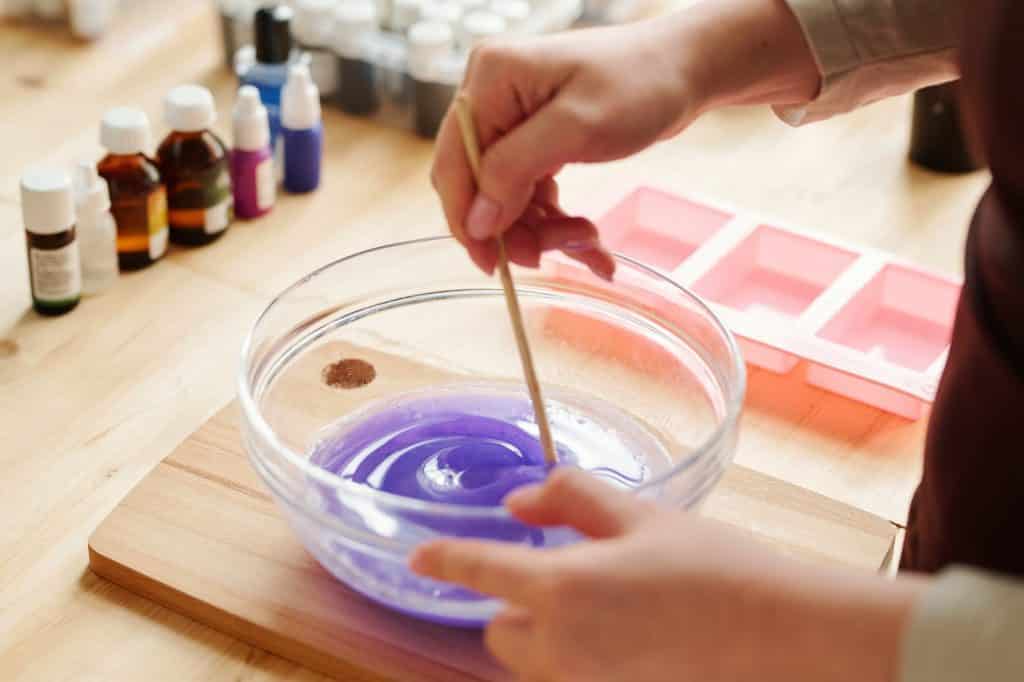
x,y
47,204
429,43
514,12
300,100
353,21
92,196
189,109
472,5
251,129
405,13
125,131
449,12
479,26
313,23
91,18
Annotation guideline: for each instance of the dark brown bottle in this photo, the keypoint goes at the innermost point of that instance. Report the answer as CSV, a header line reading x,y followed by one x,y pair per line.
x,y
138,201
194,165
937,140
53,263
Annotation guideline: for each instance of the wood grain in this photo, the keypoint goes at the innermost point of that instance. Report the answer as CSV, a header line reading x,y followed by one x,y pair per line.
x,y
201,535
90,403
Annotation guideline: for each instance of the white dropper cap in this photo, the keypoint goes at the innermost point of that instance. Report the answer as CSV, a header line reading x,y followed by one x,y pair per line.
x,y
429,43
514,12
47,204
125,131
92,196
300,100
313,23
479,26
446,11
353,20
404,13
251,126
189,109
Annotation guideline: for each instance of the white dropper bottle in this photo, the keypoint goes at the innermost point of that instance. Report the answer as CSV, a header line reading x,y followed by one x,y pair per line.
x,y
97,231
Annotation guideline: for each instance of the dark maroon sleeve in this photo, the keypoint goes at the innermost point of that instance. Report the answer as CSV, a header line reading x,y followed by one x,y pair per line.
x,y
969,508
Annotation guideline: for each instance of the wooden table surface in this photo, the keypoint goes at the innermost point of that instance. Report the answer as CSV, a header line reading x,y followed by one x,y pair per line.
x,y
90,402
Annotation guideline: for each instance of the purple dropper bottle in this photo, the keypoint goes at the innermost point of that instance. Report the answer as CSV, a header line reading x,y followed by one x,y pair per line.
x,y
252,164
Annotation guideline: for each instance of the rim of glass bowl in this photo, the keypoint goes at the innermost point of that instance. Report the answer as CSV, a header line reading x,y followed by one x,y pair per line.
x,y
265,433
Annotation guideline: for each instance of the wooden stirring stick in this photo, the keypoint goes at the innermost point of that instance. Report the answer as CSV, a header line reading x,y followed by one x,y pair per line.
x,y
464,114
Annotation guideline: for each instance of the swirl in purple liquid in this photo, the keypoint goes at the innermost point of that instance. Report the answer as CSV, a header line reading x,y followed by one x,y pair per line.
x,y
462,449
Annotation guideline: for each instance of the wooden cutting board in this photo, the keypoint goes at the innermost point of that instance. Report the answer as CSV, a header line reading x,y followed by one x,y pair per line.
x,y
201,535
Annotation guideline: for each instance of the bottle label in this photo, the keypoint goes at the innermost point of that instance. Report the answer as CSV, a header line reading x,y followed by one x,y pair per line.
x,y
279,159
157,215
216,218
266,184
56,274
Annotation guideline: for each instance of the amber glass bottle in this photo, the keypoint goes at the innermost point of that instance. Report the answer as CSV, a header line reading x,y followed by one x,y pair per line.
x,y
194,165
138,201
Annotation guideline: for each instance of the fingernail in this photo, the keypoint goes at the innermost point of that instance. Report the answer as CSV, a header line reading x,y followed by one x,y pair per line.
x,y
483,215
420,560
523,497
578,245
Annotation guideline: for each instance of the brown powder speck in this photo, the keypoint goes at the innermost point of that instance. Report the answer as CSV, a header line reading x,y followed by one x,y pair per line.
x,y
8,348
31,81
349,373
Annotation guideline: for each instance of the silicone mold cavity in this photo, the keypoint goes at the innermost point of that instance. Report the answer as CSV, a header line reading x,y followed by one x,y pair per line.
x,y
902,317
661,229
774,273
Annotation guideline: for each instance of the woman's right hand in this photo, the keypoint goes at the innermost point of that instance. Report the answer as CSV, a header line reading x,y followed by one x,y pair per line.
x,y
599,95
586,96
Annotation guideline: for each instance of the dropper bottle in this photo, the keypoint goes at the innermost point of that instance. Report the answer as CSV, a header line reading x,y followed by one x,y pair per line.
x,y
97,232
194,166
430,44
313,28
355,22
53,265
252,165
138,198
302,130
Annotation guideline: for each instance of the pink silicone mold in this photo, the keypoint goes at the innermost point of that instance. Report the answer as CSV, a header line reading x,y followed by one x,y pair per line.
x,y
871,328
661,229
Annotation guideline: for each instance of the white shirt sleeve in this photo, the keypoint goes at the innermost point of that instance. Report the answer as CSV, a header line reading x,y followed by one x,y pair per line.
x,y
968,627
867,50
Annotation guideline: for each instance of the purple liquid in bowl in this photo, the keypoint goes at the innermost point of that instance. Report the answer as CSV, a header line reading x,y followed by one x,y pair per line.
x,y
466,448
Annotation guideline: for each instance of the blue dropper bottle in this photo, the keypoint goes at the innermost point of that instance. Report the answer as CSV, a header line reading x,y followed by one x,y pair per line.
x,y
268,73
302,131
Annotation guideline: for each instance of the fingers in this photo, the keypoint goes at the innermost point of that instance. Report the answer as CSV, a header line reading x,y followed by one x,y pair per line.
x,y
574,498
523,245
509,638
597,259
501,570
512,166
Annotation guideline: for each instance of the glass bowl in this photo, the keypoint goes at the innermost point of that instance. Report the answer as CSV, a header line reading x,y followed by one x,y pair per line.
x,y
642,359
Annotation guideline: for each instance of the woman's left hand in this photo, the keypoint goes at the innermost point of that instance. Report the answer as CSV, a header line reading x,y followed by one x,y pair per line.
x,y
664,595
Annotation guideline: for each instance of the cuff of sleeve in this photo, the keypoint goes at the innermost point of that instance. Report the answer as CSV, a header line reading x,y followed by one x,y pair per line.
x,y
967,626
833,51
867,50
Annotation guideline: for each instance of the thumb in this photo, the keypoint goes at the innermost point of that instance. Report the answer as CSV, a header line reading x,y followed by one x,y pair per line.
x,y
575,498
512,165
